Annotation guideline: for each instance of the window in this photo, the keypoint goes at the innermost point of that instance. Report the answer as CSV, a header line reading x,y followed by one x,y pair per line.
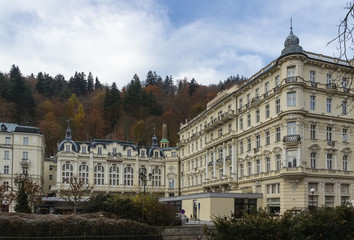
x,y
25,141
50,177
220,132
291,71
257,92
230,127
267,133
291,127
344,107
83,149
241,123
291,99
291,158
144,171
156,177
84,173
25,170
50,168
67,148
128,176
99,150
171,183
241,146
230,150
24,156
329,161
129,152
312,77
257,116
211,136
156,153
329,105
6,169
248,120
6,186
277,81
278,159
242,171
248,98
329,133
344,84
312,102
273,188
266,88
268,164
344,189
99,175
67,172
114,151
113,175
258,166
221,173
329,79
267,112
345,135
241,103
258,141
329,201
6,154
313,160
277,106
249,144
7,141
173,154
249,165
142,153
345,163
220,155
312,131
277,134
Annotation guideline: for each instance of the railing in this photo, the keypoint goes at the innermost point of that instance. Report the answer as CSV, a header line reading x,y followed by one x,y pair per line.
x,y
331,86
256,150
7,145
292,138
24,160
313,84
219,161
290,79
210,163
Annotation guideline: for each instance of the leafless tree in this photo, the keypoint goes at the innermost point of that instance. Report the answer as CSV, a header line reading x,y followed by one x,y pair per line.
x,y
76,190
32,188
6,196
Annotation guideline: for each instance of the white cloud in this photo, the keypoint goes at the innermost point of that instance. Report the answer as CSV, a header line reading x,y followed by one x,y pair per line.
x,y
116,39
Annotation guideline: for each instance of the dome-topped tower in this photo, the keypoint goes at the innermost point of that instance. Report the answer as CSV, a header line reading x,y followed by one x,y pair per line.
x,y
291,44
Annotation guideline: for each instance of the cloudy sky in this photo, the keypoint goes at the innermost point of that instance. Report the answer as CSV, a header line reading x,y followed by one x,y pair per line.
x,y
208,40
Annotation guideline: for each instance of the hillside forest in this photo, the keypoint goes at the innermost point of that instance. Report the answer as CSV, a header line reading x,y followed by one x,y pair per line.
x,y
100,111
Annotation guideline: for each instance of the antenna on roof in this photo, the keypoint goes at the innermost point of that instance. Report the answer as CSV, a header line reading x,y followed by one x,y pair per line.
x,y
291,24
68,122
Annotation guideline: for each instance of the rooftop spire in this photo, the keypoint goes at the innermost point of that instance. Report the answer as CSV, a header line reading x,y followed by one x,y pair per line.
x,y
291,44
68,131
291,24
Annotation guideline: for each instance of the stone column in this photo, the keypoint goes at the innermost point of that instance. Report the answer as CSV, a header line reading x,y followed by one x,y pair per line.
x,y
233,161
121,175
207,165
224,160
214,162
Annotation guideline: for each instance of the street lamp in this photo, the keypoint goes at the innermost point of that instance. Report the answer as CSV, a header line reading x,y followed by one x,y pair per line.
x,y
142,177
312,190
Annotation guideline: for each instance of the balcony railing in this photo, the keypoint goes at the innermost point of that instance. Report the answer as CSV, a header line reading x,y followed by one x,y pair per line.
x,y
313,84
210,163
256,150
331,86
24,161
255,100
290,79
292,138
219,162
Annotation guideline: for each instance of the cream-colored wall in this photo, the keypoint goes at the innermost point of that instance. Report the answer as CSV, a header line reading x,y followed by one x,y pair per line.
x,y
221,207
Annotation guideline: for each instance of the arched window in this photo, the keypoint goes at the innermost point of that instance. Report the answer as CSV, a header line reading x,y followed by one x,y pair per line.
x,y
128,176
142,170
99,175
156,177
83,173
113,175
67,172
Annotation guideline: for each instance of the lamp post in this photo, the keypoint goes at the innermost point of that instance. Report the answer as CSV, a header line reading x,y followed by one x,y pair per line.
x,y
143,178
312,190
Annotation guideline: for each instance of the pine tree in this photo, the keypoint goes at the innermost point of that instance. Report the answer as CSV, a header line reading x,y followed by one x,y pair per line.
x,y
90,82
97,84
22,204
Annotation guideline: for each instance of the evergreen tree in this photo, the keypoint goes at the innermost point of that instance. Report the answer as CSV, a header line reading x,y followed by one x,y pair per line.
x,y
3,85
111,106
152,79
193,86
167,85
22,204
45,84
90,82
78,84
97,84
133,97
19,92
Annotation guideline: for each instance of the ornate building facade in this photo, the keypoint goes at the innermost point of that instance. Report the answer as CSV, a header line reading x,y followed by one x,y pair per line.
x,y
22,153
110,166
287,134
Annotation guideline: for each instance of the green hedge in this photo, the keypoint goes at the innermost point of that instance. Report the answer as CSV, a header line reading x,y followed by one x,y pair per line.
x,y
33,225
324,223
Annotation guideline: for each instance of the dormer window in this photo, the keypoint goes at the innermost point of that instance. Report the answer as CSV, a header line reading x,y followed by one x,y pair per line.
x,y
7,141
114,151
3,127
156,154
129,152
173,154
67,148
84,149
142,153
99,150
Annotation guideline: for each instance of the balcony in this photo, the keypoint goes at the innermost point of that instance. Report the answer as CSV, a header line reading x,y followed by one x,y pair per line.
x,y
24,161
331,87
6,145
255,101
183,142
313,84
291,80
292,139
211,163
221,119
256,150
228,159
240,109
266,94
276,89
